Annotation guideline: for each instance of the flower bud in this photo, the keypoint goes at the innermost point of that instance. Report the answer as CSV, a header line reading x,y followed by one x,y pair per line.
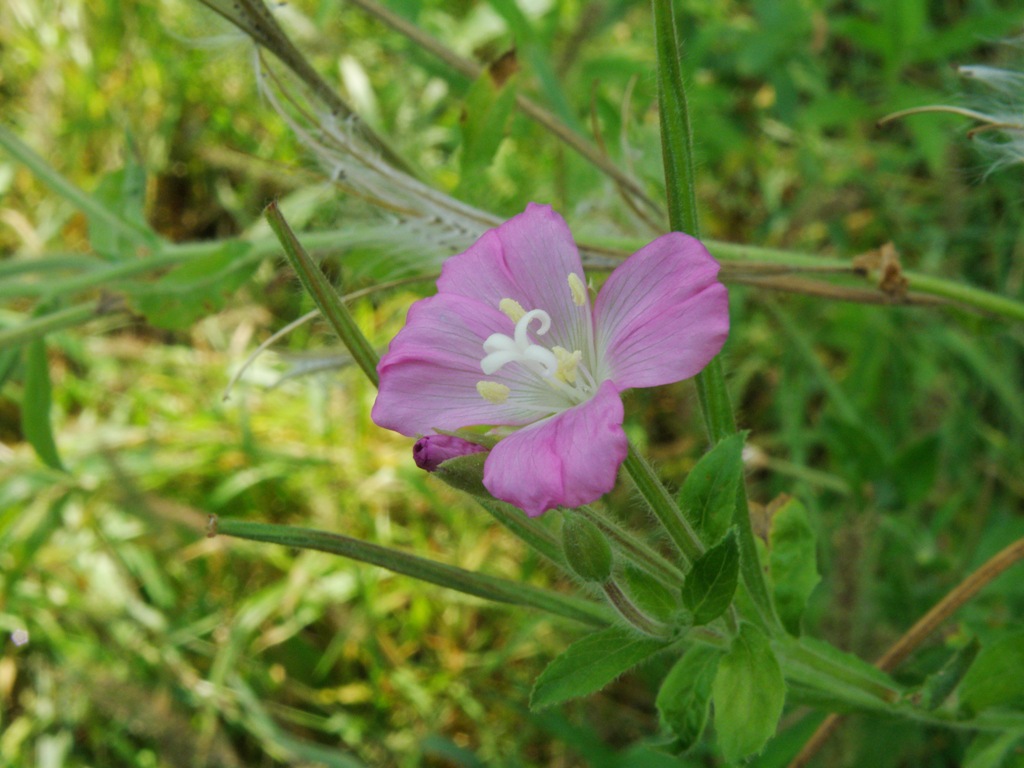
x,y
586,550
433,450
465,473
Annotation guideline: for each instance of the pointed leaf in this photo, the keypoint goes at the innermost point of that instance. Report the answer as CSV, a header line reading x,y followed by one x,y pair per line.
x,y
650,595
35,405
748,694
588,665
685,696
793,562
711,583
708,495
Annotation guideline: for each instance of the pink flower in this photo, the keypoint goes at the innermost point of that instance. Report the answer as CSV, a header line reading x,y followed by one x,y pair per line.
x,y
511,341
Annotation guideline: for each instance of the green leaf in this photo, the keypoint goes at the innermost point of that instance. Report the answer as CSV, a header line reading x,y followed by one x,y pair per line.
x,y
486,113
708,495
938,686
124,191
995,678
748,694
991,750
650,595
35,405
588,665
711,583
685,696
195,289
793,562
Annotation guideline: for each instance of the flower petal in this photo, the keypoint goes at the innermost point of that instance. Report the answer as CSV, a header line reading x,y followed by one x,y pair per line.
x,y
528,258
567,460
662,314
429,375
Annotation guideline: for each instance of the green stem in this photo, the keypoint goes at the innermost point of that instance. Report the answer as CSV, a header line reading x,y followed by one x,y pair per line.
x,y
677,154
676,137
637,618
450,576
323,293
527,529
663,506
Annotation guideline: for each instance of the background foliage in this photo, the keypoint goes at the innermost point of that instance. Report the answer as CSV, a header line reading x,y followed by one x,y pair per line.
x,y
901,430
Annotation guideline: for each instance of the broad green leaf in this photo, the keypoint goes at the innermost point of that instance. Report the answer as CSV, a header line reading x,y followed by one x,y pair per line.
x,y
685,695
793,562
588,665
711,583
708,495
938,686
995,678
124,192
650,595
35,405
748,694
193,290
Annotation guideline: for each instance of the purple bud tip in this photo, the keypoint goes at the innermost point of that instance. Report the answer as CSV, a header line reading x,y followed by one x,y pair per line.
x,y
433,450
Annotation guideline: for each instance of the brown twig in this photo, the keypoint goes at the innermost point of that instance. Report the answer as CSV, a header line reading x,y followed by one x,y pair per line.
x,y
917,634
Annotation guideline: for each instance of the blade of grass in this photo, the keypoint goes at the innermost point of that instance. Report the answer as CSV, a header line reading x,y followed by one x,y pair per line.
x,y
83,201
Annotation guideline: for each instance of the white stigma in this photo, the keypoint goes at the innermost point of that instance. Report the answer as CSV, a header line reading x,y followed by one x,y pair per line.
x,y
502,350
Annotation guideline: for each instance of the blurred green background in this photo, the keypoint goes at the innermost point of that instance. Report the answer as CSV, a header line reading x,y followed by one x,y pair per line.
x,y
150,645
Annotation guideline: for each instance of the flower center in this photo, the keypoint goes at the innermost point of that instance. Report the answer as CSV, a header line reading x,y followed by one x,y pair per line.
x,y
559,368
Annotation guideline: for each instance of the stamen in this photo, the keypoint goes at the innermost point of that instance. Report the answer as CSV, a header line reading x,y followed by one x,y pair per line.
x,y
577,289
493,391
568,362
513,309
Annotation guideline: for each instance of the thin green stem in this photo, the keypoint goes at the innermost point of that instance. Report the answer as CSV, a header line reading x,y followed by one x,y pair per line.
x,y
442,574
627,610
676,137
324,295
528,530
38,327
664,506
677,154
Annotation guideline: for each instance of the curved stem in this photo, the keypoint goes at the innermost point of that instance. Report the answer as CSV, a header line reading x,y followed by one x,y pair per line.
x,y
914,636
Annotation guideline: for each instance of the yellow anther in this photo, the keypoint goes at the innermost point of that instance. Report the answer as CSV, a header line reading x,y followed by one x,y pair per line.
x,y
568,362
493,392
577,289
512,308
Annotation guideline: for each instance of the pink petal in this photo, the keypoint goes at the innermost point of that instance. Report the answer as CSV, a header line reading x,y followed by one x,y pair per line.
x,y
528,258
568,460
662,314
429,374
